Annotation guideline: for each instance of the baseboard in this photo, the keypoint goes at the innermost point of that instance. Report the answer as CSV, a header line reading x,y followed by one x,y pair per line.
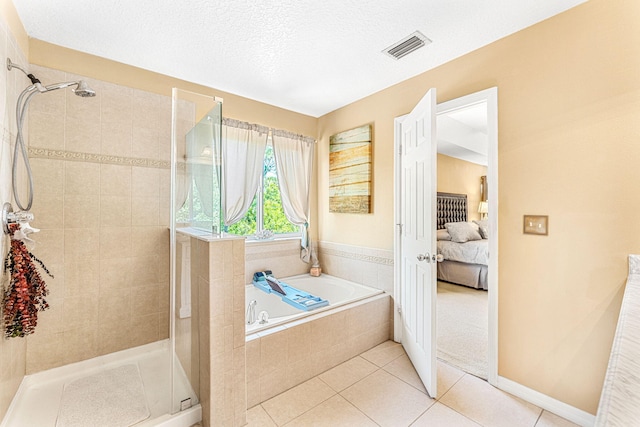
x,y
550,404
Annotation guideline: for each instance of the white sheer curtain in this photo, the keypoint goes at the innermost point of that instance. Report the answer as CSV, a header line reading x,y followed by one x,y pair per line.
x,y
243,146
183,185
294,163
199,139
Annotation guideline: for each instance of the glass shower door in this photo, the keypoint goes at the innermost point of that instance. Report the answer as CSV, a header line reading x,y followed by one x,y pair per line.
x,y
196,210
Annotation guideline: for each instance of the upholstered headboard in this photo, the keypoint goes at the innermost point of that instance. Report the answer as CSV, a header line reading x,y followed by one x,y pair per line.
x,y
451,208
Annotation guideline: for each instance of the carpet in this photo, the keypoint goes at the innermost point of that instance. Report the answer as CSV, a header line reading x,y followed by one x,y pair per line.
x,y
112,398
462,324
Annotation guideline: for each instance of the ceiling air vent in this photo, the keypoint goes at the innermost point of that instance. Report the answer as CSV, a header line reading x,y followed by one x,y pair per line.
x,y
407,45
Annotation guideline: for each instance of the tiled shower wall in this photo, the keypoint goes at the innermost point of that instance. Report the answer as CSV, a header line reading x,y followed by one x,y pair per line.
x,y
12,351
102,177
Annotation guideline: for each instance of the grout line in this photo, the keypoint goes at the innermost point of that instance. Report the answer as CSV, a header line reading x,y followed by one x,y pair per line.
x,y
358,409
361,379
378,366
538,419
310,409
450,388
268,415
460,413
325,383
423,412
408,383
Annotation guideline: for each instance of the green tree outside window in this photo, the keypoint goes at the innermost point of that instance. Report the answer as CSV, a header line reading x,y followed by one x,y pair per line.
x,y
273,217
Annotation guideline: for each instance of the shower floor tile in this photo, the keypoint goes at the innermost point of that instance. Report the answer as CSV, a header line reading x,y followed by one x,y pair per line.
x,y
43,390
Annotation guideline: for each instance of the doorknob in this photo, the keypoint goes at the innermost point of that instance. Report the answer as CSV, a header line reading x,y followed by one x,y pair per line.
x,y
437,258
424,257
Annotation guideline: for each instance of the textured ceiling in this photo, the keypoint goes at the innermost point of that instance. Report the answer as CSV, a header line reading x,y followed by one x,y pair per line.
x,y
309,56
463,134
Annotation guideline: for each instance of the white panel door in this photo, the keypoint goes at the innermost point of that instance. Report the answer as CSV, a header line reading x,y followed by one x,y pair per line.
x,y
418,246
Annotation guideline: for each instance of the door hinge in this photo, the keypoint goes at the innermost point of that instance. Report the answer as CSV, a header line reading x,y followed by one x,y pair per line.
x,y
400,227
400,150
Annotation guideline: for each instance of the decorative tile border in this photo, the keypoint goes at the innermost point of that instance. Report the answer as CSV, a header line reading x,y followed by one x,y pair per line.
x,y
358,257
44,153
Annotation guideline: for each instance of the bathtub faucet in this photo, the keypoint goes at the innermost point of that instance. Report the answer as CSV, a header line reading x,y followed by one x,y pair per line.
x,y
251,312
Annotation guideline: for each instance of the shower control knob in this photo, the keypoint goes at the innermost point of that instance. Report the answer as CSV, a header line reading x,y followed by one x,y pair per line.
x,y
20,216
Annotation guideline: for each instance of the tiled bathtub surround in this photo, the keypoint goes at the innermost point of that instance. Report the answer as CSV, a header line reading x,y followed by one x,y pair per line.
x,y
102,177
367,266
218,330
285,356
12,351
280,256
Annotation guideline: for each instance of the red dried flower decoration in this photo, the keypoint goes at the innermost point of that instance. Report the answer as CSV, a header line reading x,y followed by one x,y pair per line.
x,y
26,293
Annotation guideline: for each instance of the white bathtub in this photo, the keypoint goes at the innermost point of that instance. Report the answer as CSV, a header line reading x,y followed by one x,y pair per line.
x,y
337,291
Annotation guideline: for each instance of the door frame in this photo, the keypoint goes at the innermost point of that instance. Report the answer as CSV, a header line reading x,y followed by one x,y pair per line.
x,y
490,96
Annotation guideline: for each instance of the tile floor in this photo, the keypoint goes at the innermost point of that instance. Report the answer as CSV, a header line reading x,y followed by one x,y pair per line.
x,y
381,388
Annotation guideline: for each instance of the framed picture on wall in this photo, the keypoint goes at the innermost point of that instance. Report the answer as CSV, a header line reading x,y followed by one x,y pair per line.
x,y
350,171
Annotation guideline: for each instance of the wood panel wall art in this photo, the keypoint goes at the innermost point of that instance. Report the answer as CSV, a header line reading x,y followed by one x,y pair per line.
x,y
350,171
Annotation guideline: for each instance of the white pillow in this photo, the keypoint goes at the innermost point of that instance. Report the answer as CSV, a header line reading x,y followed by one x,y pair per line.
x,y
443,235
462,232
483,225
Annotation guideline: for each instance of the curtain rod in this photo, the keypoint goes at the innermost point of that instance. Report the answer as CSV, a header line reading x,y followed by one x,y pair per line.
x,y
226,121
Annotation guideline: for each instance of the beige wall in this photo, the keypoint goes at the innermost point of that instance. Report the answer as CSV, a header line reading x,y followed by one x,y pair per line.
x,y
569,102
459,176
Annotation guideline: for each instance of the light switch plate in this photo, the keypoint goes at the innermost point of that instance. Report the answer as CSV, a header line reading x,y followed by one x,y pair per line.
x,y
536,224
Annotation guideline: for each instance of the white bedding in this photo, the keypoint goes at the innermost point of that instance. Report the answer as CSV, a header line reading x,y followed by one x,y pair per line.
x,y
473,252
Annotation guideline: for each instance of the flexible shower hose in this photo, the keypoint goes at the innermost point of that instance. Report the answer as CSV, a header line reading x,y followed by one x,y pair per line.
x,y
21,149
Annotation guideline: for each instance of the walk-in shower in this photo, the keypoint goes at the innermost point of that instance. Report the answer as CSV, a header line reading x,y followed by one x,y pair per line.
x,y
127,338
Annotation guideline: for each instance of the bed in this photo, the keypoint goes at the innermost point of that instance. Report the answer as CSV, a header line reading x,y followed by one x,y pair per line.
x,y
463,244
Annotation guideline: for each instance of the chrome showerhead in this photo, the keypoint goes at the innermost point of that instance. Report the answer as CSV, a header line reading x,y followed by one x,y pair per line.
x,y
84,90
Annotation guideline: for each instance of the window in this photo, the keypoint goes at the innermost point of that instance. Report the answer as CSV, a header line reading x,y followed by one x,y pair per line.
x,y
266,211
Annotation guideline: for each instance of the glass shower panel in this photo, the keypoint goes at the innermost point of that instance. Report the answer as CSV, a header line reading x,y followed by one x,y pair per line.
x,y
196,209
201,207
